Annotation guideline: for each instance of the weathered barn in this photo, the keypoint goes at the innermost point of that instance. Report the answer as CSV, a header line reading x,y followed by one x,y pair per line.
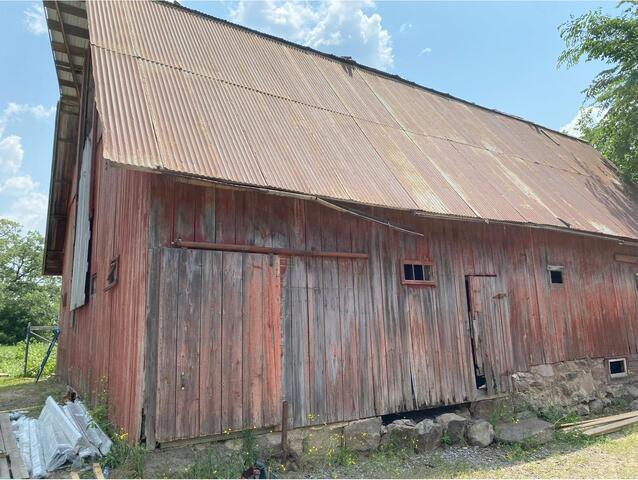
x,y
239,221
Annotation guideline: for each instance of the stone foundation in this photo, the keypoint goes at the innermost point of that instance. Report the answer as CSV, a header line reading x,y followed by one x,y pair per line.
x,y
581,385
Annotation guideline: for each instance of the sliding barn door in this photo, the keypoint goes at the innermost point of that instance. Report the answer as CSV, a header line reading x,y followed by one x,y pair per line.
x,y
491,335
219,343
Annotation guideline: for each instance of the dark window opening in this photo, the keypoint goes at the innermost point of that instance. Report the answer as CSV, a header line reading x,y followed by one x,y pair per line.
x,y
417,273
481,383
555,275
111,277
93,283
618,367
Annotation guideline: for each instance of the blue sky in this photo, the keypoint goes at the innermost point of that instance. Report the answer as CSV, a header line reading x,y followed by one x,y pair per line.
x,y
498,54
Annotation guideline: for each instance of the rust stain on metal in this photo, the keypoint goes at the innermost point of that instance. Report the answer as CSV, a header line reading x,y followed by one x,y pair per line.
x,y
186,93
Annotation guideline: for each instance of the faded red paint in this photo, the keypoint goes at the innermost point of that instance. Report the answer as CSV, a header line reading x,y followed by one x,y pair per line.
x,y
100,353
395,339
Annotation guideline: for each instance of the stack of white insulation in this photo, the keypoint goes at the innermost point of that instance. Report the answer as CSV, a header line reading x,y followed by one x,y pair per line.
x,y
60,435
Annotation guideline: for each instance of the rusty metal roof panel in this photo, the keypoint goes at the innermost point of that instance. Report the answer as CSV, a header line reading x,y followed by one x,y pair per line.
x,y
194,95
120,93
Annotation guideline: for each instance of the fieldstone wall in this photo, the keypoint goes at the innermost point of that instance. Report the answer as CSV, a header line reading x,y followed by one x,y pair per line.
x,y
583,385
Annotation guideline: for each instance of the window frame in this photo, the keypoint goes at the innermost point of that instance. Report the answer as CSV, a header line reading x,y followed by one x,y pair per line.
x,y
114,265
418,283
620,374
556,268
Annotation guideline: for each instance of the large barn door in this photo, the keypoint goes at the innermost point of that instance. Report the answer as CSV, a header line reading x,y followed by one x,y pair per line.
x,y
491,336
219,343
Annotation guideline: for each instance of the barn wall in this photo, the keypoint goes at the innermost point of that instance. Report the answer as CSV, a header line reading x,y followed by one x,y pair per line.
x,y
357,343
101,343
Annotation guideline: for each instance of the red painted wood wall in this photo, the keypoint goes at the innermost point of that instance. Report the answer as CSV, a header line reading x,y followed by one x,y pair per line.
x,y
357,343
101,344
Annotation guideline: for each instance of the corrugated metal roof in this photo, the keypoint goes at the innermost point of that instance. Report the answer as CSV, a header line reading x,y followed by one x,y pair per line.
x,y
182,92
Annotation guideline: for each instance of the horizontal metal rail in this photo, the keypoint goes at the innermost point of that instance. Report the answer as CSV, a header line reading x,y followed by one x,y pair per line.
x,y
229,247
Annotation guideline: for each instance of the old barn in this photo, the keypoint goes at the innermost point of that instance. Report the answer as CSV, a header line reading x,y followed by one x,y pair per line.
x,y
240,221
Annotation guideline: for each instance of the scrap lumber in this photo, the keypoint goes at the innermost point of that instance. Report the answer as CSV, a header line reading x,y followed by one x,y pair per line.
x,y
97,470
610,427
598,421
11,464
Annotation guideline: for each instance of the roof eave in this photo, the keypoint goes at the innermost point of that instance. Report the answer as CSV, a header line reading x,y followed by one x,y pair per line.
x,y
68,34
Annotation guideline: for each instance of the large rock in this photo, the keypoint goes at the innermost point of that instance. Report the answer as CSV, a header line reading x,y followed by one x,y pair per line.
x,y
429,435
529,430
482,409
320,440
453,426
632,390
400,433
363,435
634,405
582,410
480,433
596,406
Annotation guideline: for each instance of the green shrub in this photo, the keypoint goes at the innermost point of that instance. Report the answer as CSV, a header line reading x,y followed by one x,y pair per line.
x,y
12,359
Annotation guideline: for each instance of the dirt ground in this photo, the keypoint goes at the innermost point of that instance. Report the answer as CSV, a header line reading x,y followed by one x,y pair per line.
x,y
23,394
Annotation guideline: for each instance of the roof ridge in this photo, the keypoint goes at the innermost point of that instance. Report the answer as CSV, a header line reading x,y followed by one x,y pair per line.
x,y
175,4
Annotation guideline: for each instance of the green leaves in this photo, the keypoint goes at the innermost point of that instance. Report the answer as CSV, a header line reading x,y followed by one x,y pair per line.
x,y
25,294
613,40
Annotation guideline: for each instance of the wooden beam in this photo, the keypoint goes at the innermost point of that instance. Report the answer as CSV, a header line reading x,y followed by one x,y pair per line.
x,y
66,8
228,247
67,67
626,258
598,421
610,427
68,29
18,469
76,51
66,83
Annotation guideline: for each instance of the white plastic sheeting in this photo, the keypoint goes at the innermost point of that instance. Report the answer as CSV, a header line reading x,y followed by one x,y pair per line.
x,y
60,435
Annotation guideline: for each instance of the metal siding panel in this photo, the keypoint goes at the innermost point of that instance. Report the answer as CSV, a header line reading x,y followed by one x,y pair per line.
x,y
82,230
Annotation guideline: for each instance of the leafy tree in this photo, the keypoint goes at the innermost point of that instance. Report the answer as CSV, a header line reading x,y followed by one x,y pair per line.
x,y
614,91
25,294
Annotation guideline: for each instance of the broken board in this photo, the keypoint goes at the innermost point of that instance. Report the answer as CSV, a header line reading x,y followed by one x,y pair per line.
x,y
11,464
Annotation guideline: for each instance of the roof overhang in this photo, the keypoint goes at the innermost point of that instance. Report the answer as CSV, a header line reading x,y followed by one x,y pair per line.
x,y
69,36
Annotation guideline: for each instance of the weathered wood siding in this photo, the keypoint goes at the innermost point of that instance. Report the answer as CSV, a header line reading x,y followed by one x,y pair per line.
x,y
101,344
219,343
357,343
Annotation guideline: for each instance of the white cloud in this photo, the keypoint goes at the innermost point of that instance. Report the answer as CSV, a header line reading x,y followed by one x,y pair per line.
x,y
30,210
584,114
38,111
11,155
18,185
35,20
20,197
341,27
405,27
425,50
16,111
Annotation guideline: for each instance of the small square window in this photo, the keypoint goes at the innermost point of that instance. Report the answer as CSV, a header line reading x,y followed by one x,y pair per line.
x,y
417,273
555,274
617,367
111,277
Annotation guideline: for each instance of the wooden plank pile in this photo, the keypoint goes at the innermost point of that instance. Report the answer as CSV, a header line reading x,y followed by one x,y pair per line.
x,y
11,464
603,425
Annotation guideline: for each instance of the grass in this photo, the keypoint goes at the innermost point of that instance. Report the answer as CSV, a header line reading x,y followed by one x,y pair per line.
x,y
569,455
215,463
12,362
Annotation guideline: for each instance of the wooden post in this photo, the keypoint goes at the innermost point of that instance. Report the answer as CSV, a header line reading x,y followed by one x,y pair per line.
x,y
284,429
26,349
